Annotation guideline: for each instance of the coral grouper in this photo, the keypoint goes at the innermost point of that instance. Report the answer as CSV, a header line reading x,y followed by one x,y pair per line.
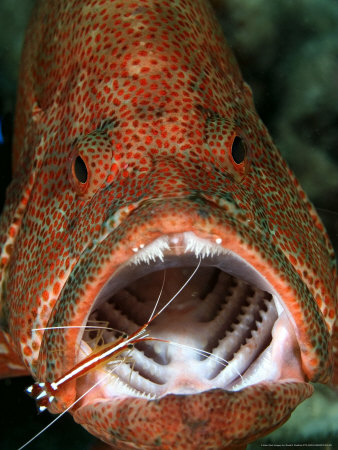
x,y
140,164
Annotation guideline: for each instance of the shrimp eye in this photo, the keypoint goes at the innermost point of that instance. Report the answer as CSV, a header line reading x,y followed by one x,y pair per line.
x,y
80,170
238,152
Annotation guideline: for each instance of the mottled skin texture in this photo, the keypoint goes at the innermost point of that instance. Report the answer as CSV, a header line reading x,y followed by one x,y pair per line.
x,y
149,95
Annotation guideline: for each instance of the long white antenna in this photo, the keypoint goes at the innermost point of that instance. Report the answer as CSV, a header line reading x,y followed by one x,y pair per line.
x,y
67,409
158,298
181,289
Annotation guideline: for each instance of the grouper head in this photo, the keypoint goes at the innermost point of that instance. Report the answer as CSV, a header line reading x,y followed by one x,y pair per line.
x,y
138,155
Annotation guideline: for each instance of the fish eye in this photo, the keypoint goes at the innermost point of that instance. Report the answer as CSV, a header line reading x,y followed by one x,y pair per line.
x,y
238,152
80,170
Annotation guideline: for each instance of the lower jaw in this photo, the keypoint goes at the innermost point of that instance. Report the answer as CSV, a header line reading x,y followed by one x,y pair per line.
x,y
215,419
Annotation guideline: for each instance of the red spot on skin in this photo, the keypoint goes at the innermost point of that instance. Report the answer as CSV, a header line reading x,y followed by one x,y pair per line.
x,y
56,288
27,351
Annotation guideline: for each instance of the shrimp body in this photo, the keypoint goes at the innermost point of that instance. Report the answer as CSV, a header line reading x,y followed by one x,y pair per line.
x,y
45,392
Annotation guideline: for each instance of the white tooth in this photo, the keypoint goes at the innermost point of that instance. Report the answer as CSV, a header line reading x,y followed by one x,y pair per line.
x,y
201,247
151,252
150,396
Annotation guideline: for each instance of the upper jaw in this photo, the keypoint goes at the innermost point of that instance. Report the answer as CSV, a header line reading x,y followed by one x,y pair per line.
x,y
228,309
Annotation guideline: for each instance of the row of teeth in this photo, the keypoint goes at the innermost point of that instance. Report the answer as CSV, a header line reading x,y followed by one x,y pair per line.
x,y
117,385
189,242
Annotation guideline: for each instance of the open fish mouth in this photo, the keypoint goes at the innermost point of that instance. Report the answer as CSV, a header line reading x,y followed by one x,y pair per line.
x,y
227,329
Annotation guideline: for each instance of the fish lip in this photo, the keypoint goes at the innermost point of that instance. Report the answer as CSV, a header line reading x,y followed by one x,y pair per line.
x,y
156,252
222,413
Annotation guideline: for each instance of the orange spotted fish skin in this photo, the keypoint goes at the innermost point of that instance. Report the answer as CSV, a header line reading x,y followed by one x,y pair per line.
x,y
149,96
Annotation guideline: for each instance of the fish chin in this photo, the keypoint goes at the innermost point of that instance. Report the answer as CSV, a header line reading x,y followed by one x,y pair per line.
x,y
227,329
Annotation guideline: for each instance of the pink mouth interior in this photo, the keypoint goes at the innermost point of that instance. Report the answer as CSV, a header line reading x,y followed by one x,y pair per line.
x,y
224,332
